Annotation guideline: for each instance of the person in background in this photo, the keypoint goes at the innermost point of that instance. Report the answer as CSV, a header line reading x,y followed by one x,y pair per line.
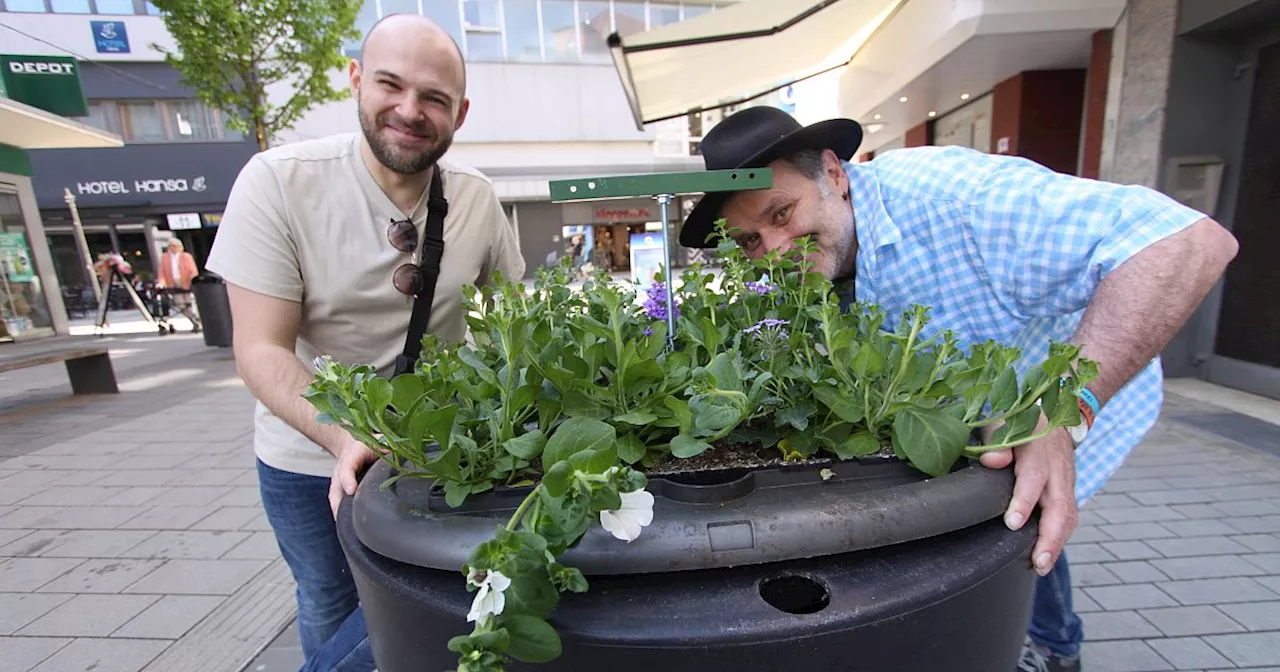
x,y
177,270
320,246
1000,248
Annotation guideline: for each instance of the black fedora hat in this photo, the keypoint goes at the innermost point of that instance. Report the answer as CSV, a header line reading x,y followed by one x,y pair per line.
x,y
754,138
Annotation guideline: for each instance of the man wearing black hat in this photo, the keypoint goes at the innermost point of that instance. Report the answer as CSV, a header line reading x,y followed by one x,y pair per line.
x,y
1001,248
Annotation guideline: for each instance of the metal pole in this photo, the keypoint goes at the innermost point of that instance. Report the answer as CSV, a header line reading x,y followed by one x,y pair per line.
x,y
82,245
663,200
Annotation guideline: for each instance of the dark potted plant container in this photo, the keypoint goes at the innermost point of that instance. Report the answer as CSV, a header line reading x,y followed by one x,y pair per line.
x,y
874,568
781,482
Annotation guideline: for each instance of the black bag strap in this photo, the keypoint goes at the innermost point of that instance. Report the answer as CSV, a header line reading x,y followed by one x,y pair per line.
x,y
432,247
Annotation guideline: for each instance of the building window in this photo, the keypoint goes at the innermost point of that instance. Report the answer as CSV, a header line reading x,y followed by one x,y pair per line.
x,y
532,31
114,6
140,121
25,6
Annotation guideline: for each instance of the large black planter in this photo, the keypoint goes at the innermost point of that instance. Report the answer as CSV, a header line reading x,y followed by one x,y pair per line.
x,y
877,568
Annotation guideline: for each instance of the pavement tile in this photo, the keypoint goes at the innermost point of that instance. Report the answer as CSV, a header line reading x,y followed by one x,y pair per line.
x,y
1106,625
1122,656
1181,496
263,546
80,478
170,617
102,575
1271,583
212,477
68,517
1186,621
189,496
1196,511
1088,534
1131,550
166,518
1256,525
1256,507
1206,567
1191,546
241,496
1255,615
1132,596
76,543
1188,653
88,616
228,518
1140,514
187,544
1136,531
198,577
25,575
20,654
258,524
1202,527
1217,591
104,655
19,609
1267,561
1256,648
1261,543
1092,574
15,495
1082,603
137,495
1135,485
149,477
7,537
1134,571
1086,553
1236,493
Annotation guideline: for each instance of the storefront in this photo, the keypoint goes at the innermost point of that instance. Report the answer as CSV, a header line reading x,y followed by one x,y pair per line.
x,y
619,236
37,95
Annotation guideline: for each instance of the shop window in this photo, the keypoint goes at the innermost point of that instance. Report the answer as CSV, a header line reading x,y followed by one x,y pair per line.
x,y
33,6
70,6
559,30
663,13
161,121
596,26
629,16
114,6
22,300
520,21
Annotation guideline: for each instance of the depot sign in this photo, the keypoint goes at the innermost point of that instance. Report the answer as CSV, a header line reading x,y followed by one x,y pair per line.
x,y
51,83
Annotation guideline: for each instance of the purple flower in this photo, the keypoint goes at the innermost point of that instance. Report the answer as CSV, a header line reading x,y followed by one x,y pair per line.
x,y
648,331
656,302
760,287
767,322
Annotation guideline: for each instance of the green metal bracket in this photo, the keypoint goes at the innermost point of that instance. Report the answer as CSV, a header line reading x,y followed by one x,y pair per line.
x,y
657,184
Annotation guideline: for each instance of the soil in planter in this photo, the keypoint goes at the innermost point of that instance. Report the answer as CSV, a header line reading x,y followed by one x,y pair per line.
x,y
731,455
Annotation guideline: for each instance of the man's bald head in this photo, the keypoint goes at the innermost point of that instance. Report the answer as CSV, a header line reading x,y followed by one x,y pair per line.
x,y
410,88
413,26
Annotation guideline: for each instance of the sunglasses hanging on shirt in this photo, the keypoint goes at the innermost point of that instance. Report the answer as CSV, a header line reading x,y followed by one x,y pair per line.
x,y
403,236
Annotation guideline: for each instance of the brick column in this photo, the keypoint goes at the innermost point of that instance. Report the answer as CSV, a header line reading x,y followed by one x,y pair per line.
x,y
1036,114
919,136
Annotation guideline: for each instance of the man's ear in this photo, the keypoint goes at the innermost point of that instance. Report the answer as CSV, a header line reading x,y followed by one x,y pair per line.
x,y
355,75
834,171
462,113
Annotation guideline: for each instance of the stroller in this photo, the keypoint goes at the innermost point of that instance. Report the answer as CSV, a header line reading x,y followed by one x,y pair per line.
x,y
161,305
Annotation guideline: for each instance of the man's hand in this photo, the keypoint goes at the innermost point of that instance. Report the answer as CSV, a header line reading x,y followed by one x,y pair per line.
x,y
352,461
1045,473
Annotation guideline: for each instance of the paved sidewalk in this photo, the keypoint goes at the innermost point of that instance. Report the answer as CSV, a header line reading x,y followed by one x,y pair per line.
x,y
132,537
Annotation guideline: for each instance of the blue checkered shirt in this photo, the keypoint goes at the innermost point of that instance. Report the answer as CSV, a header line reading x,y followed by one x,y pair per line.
x,y
1002,248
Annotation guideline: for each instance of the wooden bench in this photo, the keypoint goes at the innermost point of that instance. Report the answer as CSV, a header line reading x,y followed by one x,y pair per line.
x,y
89,367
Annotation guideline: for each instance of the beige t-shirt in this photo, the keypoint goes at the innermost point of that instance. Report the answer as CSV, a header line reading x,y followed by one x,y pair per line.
x,y
306,222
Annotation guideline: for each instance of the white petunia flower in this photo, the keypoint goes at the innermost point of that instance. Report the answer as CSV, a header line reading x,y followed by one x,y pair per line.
x,y
489,600
636,512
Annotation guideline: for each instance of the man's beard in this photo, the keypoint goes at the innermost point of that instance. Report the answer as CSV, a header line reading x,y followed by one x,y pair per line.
x,y
400,161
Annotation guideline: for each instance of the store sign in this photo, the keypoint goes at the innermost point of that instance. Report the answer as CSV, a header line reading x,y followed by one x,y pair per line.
x,y
619,214
184,221
212,221
110,37
148,186
51,83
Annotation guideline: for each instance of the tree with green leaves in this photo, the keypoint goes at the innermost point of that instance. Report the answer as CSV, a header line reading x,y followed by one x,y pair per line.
x,y
233,51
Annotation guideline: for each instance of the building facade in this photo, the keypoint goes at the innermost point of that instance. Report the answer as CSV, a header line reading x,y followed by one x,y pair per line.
x,y
546,104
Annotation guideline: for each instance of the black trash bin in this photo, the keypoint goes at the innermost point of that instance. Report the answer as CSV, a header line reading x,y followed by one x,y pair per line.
x,y
215,310
878,568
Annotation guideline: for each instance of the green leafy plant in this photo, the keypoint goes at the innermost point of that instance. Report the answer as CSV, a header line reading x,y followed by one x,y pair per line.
x,y
232,51
577,396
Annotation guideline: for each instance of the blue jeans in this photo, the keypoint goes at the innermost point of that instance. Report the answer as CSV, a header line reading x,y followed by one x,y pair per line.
x,y
330,623
1054,624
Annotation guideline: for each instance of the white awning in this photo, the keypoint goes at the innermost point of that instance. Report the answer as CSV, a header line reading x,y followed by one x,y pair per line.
x,y
740,52
27,127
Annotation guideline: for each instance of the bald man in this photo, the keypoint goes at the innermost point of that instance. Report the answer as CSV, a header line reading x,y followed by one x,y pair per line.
x,y
321,248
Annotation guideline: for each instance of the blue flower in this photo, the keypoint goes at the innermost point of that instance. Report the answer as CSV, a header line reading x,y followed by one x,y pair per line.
x,y
655,304
760,287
